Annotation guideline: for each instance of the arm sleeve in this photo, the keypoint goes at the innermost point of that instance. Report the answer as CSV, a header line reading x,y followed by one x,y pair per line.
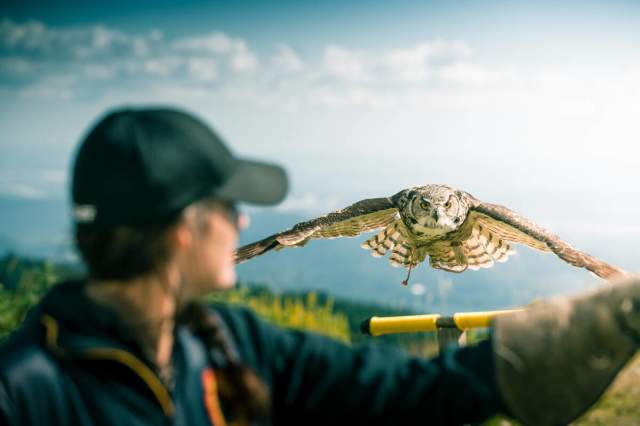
x,y
7,415
316,380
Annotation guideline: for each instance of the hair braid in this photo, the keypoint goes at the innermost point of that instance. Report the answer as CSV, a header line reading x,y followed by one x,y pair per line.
x,y
245,394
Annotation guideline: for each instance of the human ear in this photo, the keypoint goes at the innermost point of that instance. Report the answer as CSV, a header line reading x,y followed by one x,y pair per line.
x,y
181,237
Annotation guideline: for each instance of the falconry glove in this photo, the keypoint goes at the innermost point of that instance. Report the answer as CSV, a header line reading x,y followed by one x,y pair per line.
x,y
555,360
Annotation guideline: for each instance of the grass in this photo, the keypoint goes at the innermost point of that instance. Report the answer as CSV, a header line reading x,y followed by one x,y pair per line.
x,y
620,404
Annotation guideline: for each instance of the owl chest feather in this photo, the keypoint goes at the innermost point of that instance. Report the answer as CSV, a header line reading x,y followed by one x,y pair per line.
x,y
419,234
423,233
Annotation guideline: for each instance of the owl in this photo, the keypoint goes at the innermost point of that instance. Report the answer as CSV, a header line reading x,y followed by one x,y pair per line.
x,y
451,228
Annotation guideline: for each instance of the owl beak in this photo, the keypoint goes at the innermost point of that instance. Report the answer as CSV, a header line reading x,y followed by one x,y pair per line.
x,y
434,214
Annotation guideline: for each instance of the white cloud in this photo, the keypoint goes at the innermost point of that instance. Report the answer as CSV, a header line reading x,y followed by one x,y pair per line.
x,y
417,63
104,53
216,43
54,176
101,71
163,66
140,46
443,51
31,35
466,73
36,92
20,190
16,66
431,74
287,59
242,59
203,69
355,96
104,38
418,289
471,74
410,64
309,203
97,52
55,87
155,35
346,64
36,37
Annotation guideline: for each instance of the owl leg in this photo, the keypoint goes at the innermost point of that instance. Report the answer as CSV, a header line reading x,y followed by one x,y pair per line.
x,y
405,282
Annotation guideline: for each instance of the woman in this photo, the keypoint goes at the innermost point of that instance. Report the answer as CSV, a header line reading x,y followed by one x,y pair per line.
x,y
154,194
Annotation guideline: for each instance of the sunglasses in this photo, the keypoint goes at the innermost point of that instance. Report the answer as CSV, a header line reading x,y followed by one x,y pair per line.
x,y
233,214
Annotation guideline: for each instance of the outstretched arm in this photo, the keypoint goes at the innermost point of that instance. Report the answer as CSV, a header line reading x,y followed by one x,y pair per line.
x,y
316,380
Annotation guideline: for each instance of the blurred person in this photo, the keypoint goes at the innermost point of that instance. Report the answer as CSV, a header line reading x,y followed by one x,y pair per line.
x,y
155,196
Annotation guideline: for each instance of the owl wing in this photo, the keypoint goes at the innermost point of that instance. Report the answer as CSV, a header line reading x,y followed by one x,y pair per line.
x,y
365,215
501,224
479,242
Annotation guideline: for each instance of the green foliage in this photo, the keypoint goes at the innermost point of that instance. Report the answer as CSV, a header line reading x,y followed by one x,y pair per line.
x,y
321,313
303,312
22,284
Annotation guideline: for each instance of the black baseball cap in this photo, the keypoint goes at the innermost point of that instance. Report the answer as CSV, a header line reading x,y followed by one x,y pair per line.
x,y
141,166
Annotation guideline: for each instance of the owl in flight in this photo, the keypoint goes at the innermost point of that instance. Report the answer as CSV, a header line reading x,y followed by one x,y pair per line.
x,y
454,229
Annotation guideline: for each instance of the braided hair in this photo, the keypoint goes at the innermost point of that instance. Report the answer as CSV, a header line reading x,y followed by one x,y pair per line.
x,y
246,396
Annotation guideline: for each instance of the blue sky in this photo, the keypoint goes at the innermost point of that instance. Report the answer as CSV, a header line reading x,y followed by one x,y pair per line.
x,y
528,104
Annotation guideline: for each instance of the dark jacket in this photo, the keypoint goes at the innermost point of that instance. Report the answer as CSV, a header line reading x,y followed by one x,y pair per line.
x,y
72,362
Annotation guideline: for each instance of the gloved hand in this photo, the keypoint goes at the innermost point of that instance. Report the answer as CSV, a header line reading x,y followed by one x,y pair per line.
x,y
554,360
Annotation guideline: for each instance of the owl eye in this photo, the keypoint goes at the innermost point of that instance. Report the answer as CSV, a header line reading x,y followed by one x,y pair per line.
x,y
424,204
447,205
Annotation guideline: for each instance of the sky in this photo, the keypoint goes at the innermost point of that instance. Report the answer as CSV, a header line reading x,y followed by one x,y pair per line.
x,y
533,105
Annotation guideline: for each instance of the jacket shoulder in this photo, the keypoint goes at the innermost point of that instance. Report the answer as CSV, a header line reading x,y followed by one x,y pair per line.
x,y
25,359
33,389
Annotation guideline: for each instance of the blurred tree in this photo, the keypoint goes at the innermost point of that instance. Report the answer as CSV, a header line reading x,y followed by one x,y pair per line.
x,y
22,283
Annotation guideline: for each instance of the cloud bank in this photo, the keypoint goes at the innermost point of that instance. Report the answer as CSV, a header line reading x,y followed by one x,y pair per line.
x,y
37,60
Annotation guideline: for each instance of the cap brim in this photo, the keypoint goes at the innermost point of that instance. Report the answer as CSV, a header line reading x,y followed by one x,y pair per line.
x,y
256,183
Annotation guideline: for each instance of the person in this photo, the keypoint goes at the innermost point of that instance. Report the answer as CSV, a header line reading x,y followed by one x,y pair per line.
x,y
155,194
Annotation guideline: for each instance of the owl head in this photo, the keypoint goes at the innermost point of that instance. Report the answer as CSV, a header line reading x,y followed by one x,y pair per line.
x,y
433,210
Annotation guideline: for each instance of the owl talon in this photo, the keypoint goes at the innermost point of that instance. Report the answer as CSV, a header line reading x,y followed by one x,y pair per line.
x,y
405,282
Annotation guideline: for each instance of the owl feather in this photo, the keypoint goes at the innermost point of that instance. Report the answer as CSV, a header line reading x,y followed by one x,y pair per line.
x,y
451,227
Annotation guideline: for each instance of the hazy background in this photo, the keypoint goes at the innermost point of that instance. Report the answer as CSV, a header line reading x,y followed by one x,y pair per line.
x,y
532,105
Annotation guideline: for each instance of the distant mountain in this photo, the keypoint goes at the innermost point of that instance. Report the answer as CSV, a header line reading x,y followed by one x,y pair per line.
x,y
7,245
34,227
40,228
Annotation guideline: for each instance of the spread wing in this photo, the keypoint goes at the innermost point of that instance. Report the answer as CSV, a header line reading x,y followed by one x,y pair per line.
x,y
505,225
365,215
480,241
